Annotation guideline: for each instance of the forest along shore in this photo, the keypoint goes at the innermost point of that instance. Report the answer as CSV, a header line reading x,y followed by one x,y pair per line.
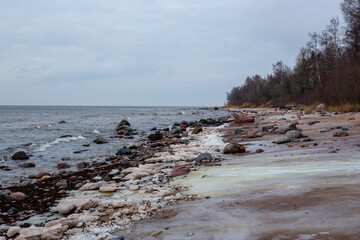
x,y
298,179
140,199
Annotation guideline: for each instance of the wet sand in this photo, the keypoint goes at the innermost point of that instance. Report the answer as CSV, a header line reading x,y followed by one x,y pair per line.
x,y
297,190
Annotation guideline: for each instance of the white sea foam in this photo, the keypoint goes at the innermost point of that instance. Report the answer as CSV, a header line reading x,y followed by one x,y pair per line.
x,y
44,146
96,131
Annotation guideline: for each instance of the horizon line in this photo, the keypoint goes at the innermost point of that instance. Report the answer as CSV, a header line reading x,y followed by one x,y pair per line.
x,y
38,105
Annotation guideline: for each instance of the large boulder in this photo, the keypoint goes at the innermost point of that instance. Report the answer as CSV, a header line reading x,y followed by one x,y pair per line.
x,y
179,171
293,134
284,139
17,196
108,188
31,232
291,127
55,232
340,134
27,165
67,206
124,151
42,174
320,107
234,148
100,140
122,123
155,136
267,128
21,155
204,157
184,124
62,165
92,186
243,118
13,231
251,134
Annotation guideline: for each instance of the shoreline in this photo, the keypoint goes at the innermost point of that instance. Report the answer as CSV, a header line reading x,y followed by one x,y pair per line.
x,y
302,189
50,189
107,215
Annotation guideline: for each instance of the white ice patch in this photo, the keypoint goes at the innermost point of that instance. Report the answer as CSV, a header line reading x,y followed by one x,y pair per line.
x,y
96,131
306,236
212,140
96,233
44,146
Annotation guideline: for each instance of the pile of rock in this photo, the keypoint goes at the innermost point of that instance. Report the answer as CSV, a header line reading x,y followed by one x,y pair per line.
x,y
124,129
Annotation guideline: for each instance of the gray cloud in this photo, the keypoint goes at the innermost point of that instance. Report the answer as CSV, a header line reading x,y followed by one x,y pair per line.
x,y
146,52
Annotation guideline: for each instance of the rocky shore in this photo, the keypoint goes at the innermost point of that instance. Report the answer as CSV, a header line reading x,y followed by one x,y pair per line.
x,y
49,208
105,199
288,174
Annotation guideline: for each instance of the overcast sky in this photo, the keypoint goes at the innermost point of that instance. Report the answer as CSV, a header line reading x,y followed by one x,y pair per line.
x,y
147,52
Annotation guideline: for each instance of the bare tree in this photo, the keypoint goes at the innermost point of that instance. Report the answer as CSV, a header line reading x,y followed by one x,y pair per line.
x,y
351,11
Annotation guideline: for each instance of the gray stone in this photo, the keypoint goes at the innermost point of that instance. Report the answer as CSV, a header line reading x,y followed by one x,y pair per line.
x,y
205,157
293,134
27,165
21,155
313,122
307,139
238,131
100,140
284,139
320,107
267,128
123,151
325,130
13,231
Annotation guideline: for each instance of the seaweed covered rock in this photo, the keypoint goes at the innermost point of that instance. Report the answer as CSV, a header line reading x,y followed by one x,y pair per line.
x,y
197,130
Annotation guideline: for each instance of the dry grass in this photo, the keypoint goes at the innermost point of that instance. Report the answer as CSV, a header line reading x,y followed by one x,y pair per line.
x,y
345,107
247,105
244,105
230,106
311,107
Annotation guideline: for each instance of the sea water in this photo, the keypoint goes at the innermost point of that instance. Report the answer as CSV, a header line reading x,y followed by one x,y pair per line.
x,y
38,131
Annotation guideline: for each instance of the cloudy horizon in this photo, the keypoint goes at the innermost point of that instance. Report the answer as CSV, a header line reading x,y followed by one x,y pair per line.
x,y
147,53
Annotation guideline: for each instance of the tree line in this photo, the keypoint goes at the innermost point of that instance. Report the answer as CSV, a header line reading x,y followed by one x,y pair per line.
x,y
327,69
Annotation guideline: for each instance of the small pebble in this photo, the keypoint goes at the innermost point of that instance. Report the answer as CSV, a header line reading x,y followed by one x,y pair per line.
x,y
154,234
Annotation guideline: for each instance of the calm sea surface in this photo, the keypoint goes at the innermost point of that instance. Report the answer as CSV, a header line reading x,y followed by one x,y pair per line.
x,y
40,127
